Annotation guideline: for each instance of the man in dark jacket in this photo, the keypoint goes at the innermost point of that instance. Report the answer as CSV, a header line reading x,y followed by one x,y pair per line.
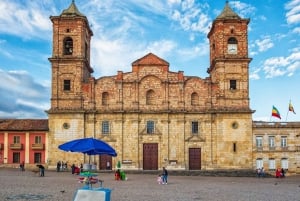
x,y
42,170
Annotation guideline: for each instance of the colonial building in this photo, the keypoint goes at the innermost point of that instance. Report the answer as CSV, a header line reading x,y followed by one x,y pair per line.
x,y
152,116
23,140
155,117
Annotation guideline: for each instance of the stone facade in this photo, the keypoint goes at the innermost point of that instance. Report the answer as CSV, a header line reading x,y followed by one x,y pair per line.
x,y
277,145
154,117
190,122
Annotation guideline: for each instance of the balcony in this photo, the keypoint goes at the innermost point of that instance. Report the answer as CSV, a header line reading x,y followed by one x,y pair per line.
x,y
16,146
37,146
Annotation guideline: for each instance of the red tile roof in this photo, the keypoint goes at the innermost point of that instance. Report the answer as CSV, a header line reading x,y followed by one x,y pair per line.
x,y
24,125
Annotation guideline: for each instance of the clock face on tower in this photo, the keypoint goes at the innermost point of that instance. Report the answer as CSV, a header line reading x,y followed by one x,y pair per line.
x,y
232,49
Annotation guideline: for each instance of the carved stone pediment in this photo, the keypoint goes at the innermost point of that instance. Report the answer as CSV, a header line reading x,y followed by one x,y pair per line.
x,y
195,138
156,132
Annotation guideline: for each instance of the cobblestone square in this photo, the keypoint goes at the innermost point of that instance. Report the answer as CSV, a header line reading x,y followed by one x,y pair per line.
x,y
61,186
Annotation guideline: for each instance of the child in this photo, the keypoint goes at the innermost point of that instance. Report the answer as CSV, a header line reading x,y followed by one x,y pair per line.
x,y
159,179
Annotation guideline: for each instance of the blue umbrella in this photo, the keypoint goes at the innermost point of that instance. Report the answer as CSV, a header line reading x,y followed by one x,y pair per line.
x,y
89,146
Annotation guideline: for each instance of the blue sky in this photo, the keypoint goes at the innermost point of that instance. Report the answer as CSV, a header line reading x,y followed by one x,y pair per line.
x,y
175,30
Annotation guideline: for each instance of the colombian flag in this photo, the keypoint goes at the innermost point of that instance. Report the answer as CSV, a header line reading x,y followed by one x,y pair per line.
x,y
291,108
275,112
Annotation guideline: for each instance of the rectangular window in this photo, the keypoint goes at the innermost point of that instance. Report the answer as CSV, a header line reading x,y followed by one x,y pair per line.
x,y
271,142
105,127
38,139
195,128
17,140
259,163
259,142
150,127
234,147
232,85
16,157
283,141
37,157
285,163
67,85
272,165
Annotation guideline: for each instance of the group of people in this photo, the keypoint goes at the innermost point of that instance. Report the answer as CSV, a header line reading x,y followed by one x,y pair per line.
x,y
261,172
163,178
75,169
61,166
279,173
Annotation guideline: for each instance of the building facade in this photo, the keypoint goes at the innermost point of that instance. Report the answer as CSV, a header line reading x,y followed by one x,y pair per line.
x,y
23,140
155,117
152,116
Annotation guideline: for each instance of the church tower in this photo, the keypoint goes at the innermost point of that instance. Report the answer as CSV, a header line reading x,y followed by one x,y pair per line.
x,y
71,73
230,105
70,58
229,61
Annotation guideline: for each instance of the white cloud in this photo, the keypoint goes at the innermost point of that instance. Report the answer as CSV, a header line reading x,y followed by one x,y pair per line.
x,y
293,14
278,66
17,19
242,9
296,30
193,52
264,44
255,75
22,96
191,17
124,53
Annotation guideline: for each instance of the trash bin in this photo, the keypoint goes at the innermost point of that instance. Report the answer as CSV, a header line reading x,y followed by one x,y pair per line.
x,y
123,176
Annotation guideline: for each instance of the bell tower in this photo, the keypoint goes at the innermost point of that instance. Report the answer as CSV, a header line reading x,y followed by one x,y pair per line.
x,y
229,61
70,59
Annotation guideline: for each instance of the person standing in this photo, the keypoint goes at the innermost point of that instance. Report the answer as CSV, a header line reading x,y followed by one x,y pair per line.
x,y
42,170
282,172
73,168
22,166
58,166
165,176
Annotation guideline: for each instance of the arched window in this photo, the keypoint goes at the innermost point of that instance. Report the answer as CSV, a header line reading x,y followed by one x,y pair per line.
x,y
150,95
68,46
232,40
232,46
194,99
104,98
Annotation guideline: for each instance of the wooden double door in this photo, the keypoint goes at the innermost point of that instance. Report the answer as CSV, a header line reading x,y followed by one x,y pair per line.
x,y
150,156
105,162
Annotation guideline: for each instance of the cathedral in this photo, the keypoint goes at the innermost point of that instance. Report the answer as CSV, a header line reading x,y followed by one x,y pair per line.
x,y
154,117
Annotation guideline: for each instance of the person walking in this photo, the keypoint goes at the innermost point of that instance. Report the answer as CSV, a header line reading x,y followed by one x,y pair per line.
x,y
165,176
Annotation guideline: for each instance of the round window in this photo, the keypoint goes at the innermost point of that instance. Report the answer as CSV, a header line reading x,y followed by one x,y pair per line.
x,y
66,125
235,125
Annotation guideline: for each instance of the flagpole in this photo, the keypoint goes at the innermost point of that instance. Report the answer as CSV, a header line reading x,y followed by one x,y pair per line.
x,y
287,115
